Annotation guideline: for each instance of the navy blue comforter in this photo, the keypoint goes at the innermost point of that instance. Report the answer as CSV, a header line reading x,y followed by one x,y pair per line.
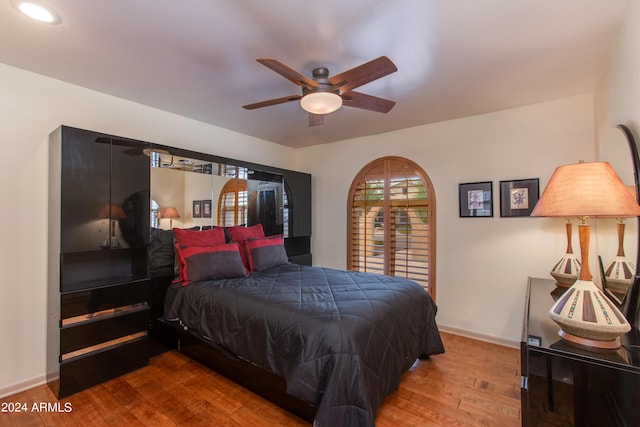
x,y
340,339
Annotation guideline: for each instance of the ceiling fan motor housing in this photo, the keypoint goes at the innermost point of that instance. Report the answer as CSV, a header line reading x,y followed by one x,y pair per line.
x,y
320,75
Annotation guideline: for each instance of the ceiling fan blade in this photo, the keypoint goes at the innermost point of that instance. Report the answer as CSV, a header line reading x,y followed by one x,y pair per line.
x,y
364,73
288,73
272,102
316,119
367,102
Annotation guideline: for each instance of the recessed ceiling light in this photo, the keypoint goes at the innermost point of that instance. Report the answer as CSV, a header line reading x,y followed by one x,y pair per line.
x,y
38,11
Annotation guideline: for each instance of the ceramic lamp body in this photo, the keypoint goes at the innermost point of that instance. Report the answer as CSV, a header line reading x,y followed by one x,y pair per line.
x,y
619,273
584,311
566,270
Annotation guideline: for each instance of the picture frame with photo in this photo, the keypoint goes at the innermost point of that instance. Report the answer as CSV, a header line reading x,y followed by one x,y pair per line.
x,y
206,209
197,209
518,197
476,199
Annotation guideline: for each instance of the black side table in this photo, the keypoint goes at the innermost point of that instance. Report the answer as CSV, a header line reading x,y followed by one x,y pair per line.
x,y
563,384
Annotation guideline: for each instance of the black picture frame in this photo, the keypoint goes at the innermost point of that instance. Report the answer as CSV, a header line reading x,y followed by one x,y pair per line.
x,y
206,209
518,197
197,209
476,199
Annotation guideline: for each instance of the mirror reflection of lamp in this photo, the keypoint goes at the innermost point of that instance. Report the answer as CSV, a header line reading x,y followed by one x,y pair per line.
x,y
112,212
171,213
585,315
620,270
567,269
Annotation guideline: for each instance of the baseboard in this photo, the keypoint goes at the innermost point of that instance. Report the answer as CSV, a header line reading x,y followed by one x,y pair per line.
x,y
478,336
22,386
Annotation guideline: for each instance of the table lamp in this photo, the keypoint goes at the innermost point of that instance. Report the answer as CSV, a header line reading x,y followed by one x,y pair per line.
x,y
585,315
620,270
112,212
170,213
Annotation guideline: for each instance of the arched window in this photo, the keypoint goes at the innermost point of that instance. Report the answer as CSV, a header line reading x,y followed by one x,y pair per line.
x,y
391,228
286,215
232,203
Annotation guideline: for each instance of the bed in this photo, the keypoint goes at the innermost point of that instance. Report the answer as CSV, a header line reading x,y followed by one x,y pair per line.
x,y
339,340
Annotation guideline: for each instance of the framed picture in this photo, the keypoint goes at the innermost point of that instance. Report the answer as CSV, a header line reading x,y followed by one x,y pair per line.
x,y
518,197
476,199
206,209
197,208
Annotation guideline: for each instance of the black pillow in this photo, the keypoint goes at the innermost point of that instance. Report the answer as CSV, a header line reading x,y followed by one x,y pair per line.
x,y
161,253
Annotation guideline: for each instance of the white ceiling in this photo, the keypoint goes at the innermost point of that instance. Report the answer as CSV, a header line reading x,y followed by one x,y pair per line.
x,y
196,58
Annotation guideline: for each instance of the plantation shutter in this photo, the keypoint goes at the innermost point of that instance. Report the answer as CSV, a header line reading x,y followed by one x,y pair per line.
x,y
391,221
232,203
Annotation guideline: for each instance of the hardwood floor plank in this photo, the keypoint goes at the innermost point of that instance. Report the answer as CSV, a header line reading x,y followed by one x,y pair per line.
x,y
109,407
472,384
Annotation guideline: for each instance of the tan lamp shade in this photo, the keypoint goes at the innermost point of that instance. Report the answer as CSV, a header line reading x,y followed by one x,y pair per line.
x,y
170,213
586,189
112,211
585,315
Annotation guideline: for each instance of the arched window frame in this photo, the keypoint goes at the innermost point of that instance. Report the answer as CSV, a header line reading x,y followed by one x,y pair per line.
x,y
384,167
238,189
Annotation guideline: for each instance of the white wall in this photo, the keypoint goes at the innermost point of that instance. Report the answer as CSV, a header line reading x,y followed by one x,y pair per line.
x,y
31,106
618,96
482,263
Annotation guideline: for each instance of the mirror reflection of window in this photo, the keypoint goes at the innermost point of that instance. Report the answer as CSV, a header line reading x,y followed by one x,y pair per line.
x,y
155,211
285,212
232,204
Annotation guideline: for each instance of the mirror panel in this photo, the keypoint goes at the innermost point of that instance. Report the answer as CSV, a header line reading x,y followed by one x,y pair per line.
x,y
618,238
190,192
265,200
189,188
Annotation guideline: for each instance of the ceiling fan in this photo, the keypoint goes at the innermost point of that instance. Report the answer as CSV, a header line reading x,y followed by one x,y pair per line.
x,y
323,94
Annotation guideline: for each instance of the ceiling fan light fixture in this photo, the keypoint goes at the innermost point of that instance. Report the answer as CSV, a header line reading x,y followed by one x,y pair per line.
x,y
321,102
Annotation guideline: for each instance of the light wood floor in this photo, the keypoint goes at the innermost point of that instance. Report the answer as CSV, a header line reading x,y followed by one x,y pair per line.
x,y
472,384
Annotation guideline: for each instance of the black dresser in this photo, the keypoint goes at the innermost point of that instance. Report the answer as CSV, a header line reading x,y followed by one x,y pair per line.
x,y
567,385
98,280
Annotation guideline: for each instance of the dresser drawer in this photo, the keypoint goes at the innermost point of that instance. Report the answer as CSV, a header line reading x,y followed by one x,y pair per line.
x,y
103,328
95,300
81,372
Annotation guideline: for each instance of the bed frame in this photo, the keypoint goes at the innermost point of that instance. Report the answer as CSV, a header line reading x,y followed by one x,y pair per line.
x,y
252,377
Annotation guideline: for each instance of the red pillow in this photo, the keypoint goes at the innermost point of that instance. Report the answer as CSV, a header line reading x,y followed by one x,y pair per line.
x,y
266,253
210,262
186,237
241,234
211,237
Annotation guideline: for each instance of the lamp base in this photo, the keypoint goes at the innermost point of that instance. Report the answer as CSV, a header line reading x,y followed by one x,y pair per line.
x,y
584,311
619,273
110,243
566,270
590,343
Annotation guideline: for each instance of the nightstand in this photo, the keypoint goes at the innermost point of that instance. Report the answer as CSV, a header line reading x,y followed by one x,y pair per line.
x,y
564,384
